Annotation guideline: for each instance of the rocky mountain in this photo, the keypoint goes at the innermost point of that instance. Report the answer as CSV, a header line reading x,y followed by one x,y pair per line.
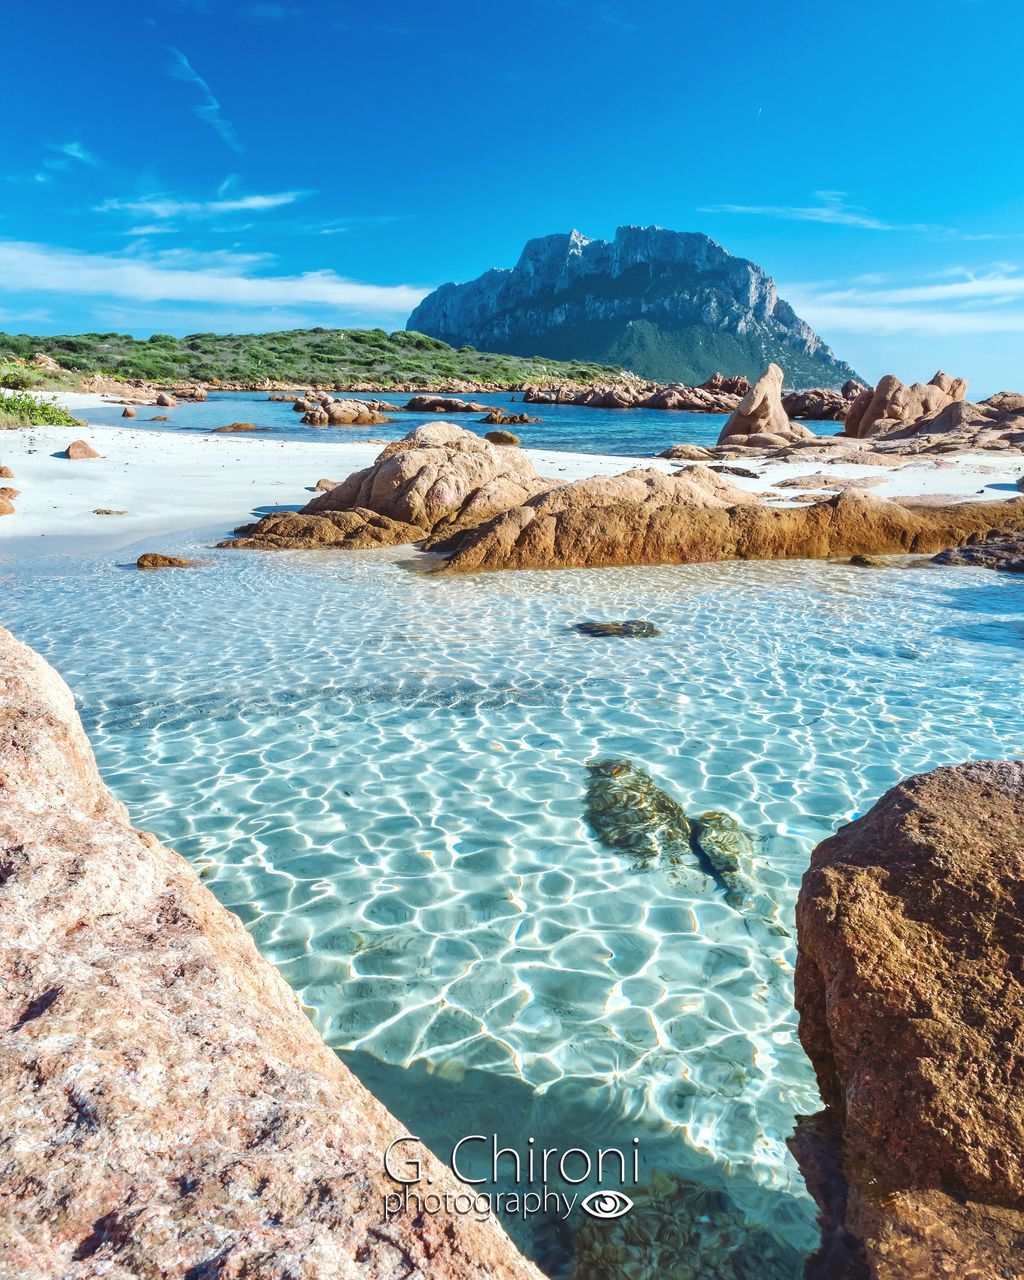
x,y
668,305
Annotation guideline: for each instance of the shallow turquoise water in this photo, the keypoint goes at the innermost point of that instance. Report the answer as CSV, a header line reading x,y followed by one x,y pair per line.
x,y
629,432
383,773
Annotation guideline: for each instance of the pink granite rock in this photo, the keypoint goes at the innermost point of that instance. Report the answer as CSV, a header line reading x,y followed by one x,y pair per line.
x,y
166,1109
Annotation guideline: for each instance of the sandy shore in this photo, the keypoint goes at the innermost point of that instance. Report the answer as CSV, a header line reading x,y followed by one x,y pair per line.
x,y
168,482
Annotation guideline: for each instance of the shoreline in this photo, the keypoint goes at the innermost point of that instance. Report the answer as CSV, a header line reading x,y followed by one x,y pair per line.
x,y
169,483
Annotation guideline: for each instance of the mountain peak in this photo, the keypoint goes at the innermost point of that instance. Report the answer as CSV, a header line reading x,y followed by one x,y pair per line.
x,y
670,305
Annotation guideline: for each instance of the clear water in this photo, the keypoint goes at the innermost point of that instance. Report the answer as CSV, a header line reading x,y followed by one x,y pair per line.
x,y
383,773
627,432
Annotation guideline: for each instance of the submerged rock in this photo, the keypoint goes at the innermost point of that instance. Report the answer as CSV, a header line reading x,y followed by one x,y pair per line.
x,y
235,428
680,1230
910,991
633,628
167,1107
628,812
729,849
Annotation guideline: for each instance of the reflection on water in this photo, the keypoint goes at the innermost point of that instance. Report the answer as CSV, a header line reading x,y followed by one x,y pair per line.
x,y
385,776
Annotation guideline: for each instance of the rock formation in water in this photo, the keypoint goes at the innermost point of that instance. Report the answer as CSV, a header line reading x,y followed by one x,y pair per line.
x,y
1006,554
669,305
760,420
910,990
322,410
717,395
439,477
822,404
629,813
446,404
167,1108
597,522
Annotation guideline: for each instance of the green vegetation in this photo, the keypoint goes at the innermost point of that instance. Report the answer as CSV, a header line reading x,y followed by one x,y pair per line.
x,y
20,409
342,357
21,377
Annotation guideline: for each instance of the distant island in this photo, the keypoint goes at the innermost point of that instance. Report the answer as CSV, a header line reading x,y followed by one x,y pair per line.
x,y
667,305
350,358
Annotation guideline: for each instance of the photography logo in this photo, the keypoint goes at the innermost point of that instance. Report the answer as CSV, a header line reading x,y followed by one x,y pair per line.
x,y
532,1179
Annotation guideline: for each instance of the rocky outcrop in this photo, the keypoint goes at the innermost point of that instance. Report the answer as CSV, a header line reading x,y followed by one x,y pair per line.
x,y
910,990
165,400
1006,554
717,395
646,301
822,404
167,1109
446,404
496,418
760,420
78,451
604,522
439,477
959,427
322,410
892,401
157,560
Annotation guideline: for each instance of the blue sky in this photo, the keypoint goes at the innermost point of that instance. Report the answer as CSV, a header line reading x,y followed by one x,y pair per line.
x,y
189,165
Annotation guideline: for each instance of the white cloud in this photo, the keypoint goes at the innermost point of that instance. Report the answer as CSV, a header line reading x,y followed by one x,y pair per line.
x,y
159,206
209,109
968,303
831,208
59,162
76,151
223,281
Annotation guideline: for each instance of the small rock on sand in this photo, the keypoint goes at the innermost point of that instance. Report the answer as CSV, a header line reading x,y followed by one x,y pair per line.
x,y
6,473
9,494
6,508
108,511
78,450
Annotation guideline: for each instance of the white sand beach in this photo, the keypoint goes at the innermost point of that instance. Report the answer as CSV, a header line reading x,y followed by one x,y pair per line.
x,y
167,482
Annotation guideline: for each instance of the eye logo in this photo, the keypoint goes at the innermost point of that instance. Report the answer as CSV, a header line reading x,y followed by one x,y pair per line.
x,y
606,1204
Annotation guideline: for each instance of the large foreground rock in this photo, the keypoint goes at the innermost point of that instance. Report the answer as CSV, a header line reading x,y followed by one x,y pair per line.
x,y
439,475
166,1109
910,990
760,419
598,522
